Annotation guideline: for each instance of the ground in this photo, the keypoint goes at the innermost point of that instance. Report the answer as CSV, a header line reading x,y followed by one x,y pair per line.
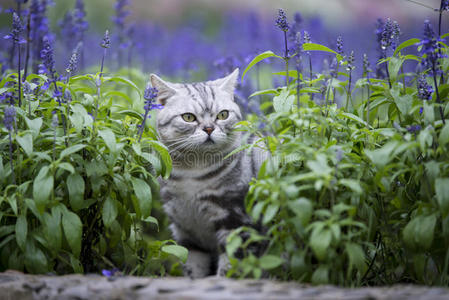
x,y
18,286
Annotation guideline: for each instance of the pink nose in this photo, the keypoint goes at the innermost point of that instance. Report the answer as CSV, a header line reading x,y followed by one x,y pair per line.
x,y
208,129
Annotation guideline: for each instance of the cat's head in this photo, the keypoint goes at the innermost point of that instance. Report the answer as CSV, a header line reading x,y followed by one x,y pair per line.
x,y
197,116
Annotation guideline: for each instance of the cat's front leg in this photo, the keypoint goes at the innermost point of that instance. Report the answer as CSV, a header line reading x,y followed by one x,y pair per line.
x,y
198,263
223,264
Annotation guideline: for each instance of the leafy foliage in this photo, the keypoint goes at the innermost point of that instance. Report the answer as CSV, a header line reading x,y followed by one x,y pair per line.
x,y
356,193
83,182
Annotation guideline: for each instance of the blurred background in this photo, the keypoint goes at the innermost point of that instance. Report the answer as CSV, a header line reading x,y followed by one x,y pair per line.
x,y
200,39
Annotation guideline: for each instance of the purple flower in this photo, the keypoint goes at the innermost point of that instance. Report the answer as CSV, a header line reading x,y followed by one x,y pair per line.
x,y
307,38
281,21
106,42
9,117
425,90
351,60
366,65
340,45
17,29
109,273
48,60
150,95
67,96
73,62
444,5
430,47
120,13
413,128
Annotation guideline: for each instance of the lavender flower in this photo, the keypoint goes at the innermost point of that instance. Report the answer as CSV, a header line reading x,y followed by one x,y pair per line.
x,y
120,13
67,96
340,45
366,65
109,273
281,21
17,29
73,62
430,47
9,117
444,5
106,42
307,38
351,60
48,60
413,128
295,28
149,95
425,90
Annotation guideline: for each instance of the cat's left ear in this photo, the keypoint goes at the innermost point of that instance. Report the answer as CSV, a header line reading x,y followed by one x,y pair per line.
x,y
229,82
165,90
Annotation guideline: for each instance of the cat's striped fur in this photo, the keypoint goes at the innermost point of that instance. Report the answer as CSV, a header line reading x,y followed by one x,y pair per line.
x,y
204,195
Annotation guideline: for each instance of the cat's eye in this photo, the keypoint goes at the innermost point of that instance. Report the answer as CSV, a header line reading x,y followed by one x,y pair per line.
x,y
188,117
223,115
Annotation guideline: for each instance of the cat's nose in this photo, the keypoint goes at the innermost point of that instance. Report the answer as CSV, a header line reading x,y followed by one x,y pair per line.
x,y
208,129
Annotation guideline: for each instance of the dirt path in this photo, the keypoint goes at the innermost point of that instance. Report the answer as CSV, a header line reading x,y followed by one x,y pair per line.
x,y
18,286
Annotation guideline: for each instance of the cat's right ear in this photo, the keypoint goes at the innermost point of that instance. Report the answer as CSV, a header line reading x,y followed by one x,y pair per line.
x,y
163,88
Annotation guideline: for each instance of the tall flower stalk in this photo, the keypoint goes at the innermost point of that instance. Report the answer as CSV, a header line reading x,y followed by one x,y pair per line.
x,y
8,121
307,39
105,44
350,66
17,29
282,24
431,51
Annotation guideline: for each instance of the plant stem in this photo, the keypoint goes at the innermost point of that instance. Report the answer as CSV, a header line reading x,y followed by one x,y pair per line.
x,y
388,74
10,158
27,55
348,95
368,102
286,58
438,94
297,86
19,78
310,75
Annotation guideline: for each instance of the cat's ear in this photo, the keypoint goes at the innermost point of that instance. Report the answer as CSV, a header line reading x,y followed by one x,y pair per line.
x,y
164,89
229,82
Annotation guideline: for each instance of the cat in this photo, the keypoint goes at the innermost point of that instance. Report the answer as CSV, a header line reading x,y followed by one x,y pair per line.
x,y
204,195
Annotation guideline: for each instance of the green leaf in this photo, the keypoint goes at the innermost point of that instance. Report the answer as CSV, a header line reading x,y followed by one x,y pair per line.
x,y
42,188
269,262
317,47
320,240
418,233
125,81
52,229
354,185
270,212
406,44
152,220
75,185
356,257
263,92
70,150
394,65
143,193
66,166
73,229
109,212
259,58
382,156
321,275
21,231
442,193
443,138
302,208
34,125
354,118
283,102
165,156
26,142
35,259
76,264
176,250
109,139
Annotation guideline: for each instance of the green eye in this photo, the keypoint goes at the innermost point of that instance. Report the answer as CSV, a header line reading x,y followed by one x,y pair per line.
x,y
188,117
223,115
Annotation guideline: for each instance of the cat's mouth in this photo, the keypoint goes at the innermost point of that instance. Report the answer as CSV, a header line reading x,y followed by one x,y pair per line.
x,y
209,141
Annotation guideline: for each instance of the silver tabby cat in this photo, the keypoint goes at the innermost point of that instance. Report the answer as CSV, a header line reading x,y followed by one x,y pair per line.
x,y
204,195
